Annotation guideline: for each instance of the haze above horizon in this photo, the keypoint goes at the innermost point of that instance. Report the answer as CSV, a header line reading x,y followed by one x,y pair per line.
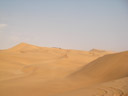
x,y
68,24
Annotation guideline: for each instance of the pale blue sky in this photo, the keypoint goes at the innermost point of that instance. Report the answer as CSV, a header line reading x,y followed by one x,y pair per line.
x,y
69,24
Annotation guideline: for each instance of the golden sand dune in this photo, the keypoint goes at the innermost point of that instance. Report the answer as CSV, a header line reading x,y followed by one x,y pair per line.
x,y
28,70
24,59
106,68
106,76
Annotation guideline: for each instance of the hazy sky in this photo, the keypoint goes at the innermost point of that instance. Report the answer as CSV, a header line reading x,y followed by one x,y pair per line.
x,y
70,24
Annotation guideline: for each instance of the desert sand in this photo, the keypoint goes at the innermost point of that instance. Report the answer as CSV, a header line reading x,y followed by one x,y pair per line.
x,y
29,70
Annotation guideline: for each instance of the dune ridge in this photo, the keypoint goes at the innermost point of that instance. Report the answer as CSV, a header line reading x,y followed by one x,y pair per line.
x,y
25,57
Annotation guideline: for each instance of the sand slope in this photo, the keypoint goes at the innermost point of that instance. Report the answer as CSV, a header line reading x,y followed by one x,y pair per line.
x,y
106,68
28,70
117,87
43,62
106,76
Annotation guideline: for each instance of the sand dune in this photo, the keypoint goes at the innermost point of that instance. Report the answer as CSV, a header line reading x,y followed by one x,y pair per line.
x,y
106,68
28,70
24,59
106,76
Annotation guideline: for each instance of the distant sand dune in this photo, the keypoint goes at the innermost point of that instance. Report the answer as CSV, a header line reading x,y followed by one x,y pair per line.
x,y
23,57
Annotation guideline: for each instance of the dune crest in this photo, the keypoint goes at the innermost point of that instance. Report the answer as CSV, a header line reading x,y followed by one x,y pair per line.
x,y
24,47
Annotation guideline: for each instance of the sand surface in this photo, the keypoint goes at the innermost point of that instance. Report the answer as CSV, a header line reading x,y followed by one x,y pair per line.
x,y
28,70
